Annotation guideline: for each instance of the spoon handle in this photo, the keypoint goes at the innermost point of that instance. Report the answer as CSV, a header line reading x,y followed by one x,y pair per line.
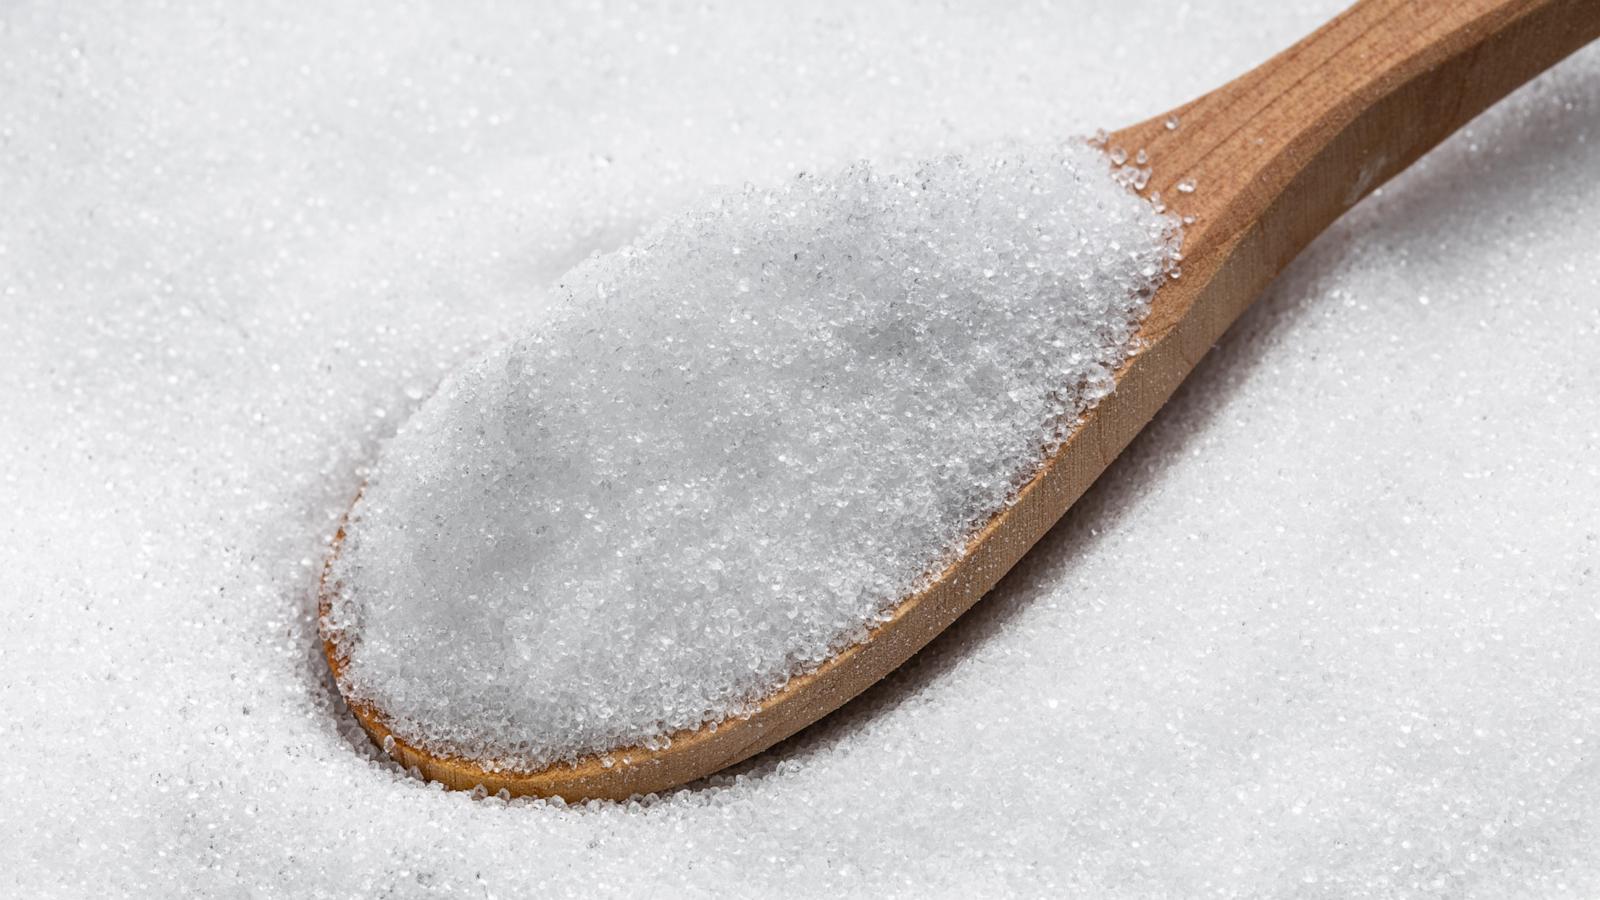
x,y
1276,155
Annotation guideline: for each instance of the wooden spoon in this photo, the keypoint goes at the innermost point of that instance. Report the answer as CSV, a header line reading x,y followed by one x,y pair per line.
x,y
1258,167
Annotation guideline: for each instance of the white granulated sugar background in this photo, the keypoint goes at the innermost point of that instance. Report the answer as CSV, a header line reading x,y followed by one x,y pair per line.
x,y
735,445
1327,629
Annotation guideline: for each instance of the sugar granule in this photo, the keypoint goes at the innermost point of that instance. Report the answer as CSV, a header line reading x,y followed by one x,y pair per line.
x,y
741,442
1326,629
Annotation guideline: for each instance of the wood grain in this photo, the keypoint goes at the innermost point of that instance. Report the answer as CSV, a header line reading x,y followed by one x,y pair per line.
x,y
1273,157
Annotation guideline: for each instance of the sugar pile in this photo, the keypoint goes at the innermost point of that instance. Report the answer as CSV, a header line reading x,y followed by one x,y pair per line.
x,y
1327,629
741,442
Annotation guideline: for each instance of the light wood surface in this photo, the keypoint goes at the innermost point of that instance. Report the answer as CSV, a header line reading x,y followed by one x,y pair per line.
x,y
1273,157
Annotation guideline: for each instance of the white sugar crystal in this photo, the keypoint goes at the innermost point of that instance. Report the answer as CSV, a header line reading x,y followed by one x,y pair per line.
x,y
739,444
1327,629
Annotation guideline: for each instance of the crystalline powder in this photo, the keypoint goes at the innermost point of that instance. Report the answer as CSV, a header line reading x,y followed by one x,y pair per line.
x,y
1326,629
736,446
